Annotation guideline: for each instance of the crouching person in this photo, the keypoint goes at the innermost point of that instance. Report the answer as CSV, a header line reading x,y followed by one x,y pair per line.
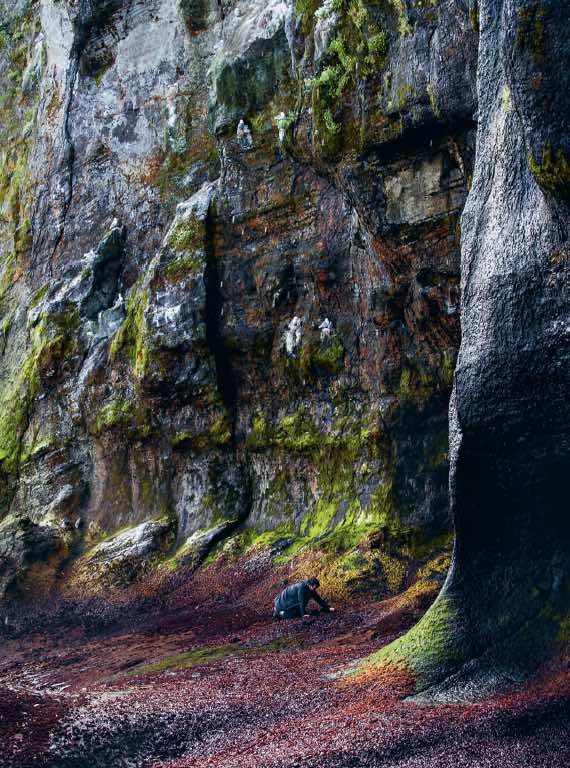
x,y
292,602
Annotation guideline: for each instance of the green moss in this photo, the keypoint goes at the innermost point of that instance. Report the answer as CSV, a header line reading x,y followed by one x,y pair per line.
x,y
406,392
39,296
474,15
428,650
338,517
187,239
297,434
422,547
357,53
418,384
188,235
220,432
383,508
96,535
404,26
328,138
186,265
329,124
441,642
316,359
394,571
378,43
22,238
205,655
127,415
219,435
37,446
260,122
5,326
53,339
433,101
251,540
305,11
17,110
187,660
259,436
357,521
131,336
448,368
401,96
117,413
268,119
552,171
170,171
8,271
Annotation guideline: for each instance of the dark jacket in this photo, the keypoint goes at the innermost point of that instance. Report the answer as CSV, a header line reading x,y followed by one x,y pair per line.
x,y
293,600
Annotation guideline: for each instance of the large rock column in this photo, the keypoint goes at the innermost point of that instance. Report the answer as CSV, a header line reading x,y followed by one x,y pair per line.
x,y
505,604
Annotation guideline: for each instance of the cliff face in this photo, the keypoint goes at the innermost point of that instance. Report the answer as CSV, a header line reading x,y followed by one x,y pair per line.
x,y
210,326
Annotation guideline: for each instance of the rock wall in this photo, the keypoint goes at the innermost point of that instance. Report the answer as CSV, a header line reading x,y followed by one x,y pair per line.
x,y
210,325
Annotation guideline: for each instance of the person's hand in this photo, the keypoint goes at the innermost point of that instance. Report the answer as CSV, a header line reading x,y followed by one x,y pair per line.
x,y
306,616
331,610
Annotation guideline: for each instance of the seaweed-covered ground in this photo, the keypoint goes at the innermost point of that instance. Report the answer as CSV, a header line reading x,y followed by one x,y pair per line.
x,y
201,676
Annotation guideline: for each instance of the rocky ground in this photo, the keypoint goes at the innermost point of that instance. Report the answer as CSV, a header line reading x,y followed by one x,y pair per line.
x,y
202,676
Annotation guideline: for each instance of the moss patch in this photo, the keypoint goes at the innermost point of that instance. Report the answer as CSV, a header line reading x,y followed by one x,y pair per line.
x,y
189,264
429,650
218,435
131,336
53,340
205,655
356,53
335,456
17,111
418,384
552,171
315,360
187,235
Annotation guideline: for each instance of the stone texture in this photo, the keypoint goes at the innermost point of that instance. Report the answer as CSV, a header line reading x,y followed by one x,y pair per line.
x,y
133,544
23,544
505,604
164,265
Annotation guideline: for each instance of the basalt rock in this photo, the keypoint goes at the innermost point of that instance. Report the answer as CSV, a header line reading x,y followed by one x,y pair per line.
x,y
504,607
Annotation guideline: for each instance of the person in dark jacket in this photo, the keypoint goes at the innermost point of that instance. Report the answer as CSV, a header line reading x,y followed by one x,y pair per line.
x,y
292,602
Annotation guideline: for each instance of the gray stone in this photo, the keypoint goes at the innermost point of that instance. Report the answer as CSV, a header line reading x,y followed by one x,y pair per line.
x,y
327,20
23,543
136,543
